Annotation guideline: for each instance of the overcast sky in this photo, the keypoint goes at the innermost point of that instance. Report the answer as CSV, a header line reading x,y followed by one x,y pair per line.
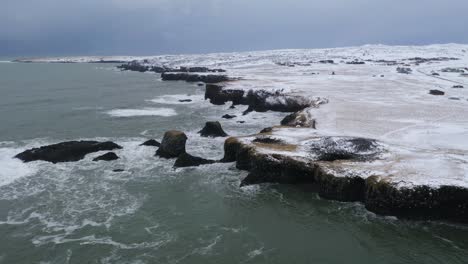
x,y
145,27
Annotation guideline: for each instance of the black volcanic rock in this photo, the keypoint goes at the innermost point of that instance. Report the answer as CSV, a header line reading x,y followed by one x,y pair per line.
x,y
212,129
66,151
172,145
151,142
187,160
107,157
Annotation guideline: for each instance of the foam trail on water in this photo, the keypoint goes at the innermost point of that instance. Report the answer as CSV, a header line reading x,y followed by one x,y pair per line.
x,y
12,168
142,112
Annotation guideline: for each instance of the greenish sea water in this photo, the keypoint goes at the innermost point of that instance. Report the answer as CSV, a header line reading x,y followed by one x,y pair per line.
x,y
83,212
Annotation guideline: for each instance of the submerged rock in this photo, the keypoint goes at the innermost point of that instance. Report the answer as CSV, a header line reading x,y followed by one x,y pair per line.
x,y
212,129
228,116
107,157
66,151
172,145
187,160
151,142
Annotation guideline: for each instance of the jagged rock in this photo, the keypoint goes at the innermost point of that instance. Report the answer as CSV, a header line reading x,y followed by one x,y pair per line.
x,y
151,142
219,96
188,77
66,151
355,62
378,195
436,92
133,66
187,160
172,145
107,157
228,116
344,148
404,70
299,119
185,100
266,130
212,129
262,101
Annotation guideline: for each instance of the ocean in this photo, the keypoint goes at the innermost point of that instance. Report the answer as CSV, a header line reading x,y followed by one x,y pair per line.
x,y
83,212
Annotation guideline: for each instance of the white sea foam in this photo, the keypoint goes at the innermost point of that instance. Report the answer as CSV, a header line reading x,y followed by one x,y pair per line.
x,y
142,112
12,168
175,99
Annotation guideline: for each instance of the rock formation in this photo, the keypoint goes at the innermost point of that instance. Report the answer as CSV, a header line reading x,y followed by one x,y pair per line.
x,y
66,151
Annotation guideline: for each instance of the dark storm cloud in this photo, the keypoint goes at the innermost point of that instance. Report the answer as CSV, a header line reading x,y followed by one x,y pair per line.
x,y
56,27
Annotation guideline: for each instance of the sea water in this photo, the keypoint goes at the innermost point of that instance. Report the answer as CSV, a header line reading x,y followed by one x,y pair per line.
x,y
83,212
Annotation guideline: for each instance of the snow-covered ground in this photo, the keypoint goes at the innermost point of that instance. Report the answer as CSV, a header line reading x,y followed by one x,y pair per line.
x,y
426,135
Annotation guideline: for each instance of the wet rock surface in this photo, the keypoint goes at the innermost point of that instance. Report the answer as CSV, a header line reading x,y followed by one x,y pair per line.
x,y
190,77
187,160
151,142
228,116
219,96
449,203
107,157
212,129
66,151
299,119
172,145
344,148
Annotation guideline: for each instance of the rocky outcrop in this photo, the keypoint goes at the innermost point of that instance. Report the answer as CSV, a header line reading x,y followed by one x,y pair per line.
x,y
107,157
219,96
151,142
436,92
172,145
143,66
187,160
404,70
66,151
259,100
212,129
377,194
299,119
262,101
189,77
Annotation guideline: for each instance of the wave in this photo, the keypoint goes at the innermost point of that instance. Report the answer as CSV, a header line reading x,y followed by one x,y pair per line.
x,y
177,99
142,112
12,168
